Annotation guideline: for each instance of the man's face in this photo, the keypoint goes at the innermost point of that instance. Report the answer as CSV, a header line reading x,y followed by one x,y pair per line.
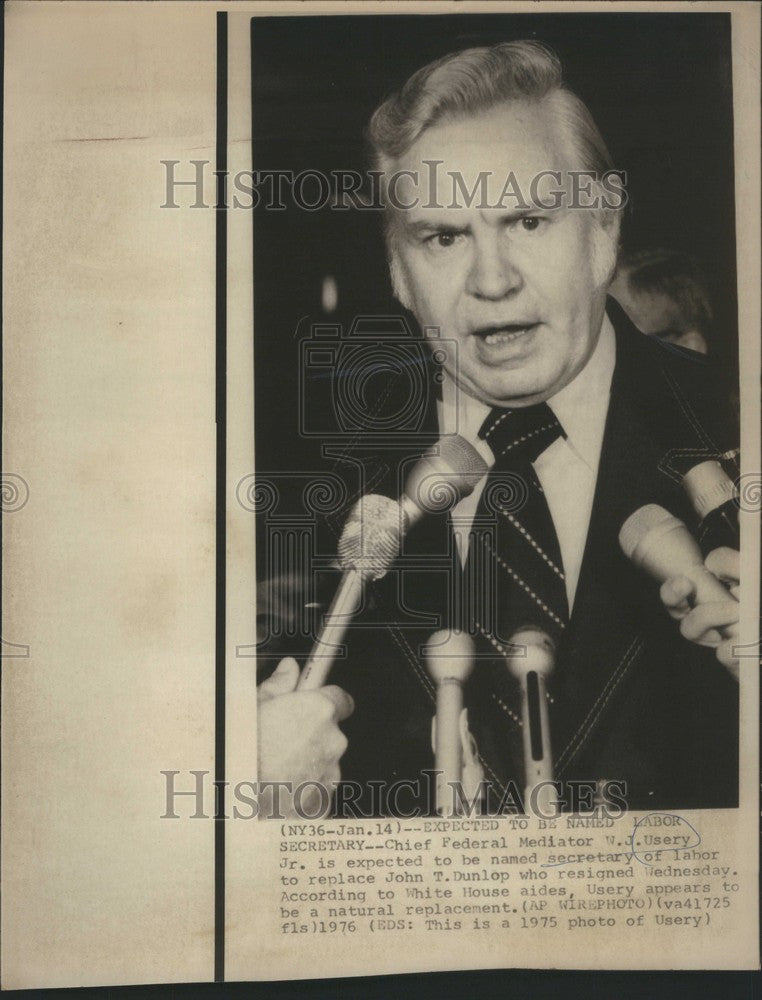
x,y
516,289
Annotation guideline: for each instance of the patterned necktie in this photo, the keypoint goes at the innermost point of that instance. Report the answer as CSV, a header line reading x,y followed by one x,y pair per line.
x,y
514,572
513,529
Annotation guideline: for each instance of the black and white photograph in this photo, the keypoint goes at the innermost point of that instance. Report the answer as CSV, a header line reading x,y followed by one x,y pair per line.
x,y
497,411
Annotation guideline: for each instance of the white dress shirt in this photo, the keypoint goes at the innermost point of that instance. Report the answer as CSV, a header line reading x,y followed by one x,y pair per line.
x,y
567,469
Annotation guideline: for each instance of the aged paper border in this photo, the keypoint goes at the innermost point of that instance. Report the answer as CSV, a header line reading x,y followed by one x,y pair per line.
x,y
120,680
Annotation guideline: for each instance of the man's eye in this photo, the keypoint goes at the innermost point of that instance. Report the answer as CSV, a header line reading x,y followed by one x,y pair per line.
x,y
531,223
443,240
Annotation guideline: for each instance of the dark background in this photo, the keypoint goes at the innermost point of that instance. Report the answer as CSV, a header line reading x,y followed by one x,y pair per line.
x,y
658,86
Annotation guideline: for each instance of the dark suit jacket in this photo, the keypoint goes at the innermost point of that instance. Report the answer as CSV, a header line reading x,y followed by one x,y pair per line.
x,y
633,701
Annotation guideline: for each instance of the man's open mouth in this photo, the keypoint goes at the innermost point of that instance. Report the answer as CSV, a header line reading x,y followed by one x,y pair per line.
x,y
504,333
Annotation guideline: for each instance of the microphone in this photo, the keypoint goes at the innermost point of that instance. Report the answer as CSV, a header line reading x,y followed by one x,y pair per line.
x,y
660,543
531,662
368,546
450,660
443,476
372,537
713,495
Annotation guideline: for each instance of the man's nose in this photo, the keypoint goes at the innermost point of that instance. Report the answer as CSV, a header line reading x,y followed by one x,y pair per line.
x,y
493,275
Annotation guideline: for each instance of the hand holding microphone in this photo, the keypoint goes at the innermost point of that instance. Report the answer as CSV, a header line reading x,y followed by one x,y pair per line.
x,y
691,589
298,718
299,741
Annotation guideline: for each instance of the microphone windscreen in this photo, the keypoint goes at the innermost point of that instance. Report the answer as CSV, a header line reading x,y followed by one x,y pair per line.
x,y
445,474
530,650
659,543
641,523
450,656
371,538
463,459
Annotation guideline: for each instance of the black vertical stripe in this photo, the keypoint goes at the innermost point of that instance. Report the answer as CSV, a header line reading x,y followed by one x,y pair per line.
x,y
535,726
221,440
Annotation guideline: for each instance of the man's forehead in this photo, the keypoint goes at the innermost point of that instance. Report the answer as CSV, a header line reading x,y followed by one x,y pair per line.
x,y
516,135
505,146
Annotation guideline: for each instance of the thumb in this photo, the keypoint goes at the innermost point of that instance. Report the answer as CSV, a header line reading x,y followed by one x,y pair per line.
x,y
282,681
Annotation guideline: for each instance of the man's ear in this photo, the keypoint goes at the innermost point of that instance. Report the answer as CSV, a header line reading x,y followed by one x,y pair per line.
x,y
605,246
610,220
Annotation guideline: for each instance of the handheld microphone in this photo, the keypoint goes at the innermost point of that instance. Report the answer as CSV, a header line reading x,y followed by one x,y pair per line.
x,y
367,548
713,495
531,662
660,543
450,660
372,536
444,475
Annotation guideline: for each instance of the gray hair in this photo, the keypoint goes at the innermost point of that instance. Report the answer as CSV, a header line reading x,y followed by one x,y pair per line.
x,y
474,80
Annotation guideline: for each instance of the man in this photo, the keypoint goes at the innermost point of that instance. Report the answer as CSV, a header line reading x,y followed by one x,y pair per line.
x,y
513,271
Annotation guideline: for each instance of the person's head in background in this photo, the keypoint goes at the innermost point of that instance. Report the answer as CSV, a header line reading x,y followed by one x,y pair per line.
x,y
664,294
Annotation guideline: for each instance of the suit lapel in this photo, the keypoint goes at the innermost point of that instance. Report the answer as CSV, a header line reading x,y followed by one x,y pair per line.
x,y
605,636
